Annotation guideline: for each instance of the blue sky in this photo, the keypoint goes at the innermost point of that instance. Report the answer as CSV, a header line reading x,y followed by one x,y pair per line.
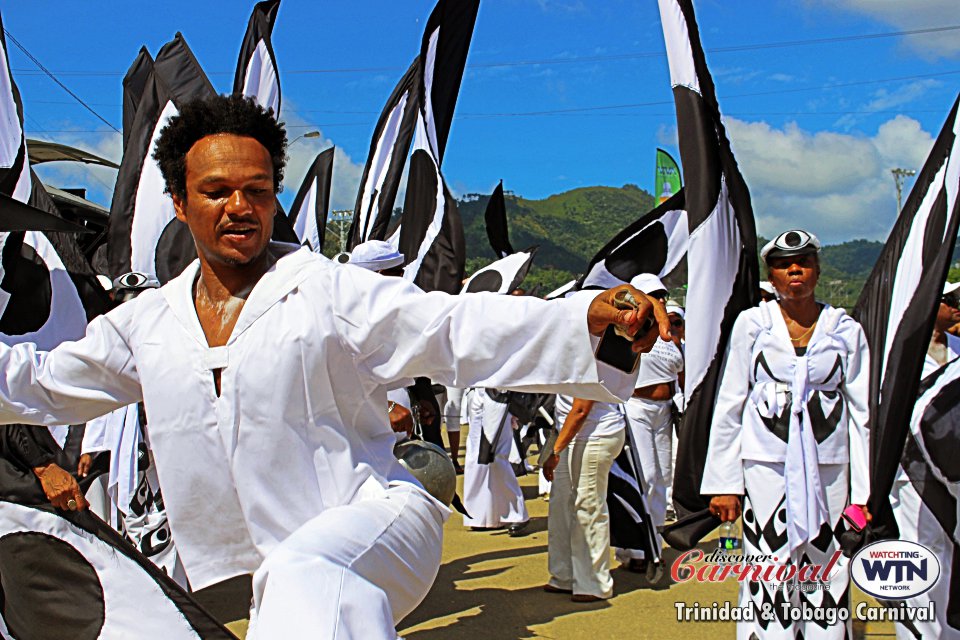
x,y
558,94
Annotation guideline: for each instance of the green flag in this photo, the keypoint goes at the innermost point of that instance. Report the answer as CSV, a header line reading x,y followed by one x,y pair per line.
x,y
668,177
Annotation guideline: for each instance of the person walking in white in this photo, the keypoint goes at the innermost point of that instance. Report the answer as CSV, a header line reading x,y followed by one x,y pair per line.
x,y
491,493
578,533
790,436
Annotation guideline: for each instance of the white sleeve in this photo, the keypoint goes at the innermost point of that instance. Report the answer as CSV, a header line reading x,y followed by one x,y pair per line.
x,y
73,383
399,396
723,470
397,331
856,389
95,436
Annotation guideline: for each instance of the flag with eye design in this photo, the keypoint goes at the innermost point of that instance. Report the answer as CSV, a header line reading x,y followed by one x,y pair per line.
x,y
69,575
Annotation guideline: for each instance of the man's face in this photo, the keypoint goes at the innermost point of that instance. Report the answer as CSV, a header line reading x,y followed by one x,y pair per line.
x,y
948,314
229,203
676,324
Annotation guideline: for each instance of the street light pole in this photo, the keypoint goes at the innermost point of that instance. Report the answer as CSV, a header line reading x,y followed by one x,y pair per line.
x,y
340,221
308,134
899,175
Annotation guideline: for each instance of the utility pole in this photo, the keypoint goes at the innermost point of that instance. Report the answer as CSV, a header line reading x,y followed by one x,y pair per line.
x,y
899,175
340,222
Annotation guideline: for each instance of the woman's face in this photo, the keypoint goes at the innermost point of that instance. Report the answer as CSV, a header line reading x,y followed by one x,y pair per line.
x,y
794,277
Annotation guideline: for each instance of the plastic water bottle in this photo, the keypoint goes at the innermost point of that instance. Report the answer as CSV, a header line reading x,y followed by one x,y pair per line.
x,y
730,535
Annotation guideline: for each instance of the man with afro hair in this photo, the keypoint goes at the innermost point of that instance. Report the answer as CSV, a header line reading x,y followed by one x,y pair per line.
x,y
264,369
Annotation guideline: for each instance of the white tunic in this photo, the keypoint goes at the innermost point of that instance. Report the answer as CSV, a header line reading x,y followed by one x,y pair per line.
x,y
663,364
775,406
300,424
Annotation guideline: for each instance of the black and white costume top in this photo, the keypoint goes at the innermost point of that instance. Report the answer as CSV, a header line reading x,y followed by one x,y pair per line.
x,y
776,406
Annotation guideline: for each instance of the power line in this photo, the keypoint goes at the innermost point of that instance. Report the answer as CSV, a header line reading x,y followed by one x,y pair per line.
x,y
657,103
55,79
577,59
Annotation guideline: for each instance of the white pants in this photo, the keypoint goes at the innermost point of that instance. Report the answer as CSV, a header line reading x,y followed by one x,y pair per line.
x,y
652,429
452,410
765,533
491,492
353,572
578,531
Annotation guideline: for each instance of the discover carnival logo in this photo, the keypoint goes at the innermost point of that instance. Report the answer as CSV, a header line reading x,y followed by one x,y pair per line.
x,y
895,569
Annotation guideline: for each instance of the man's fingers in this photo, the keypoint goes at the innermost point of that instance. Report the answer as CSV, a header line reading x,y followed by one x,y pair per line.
x,y
662,319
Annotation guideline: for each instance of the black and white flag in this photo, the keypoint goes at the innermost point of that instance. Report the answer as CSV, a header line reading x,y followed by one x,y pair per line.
x,y
257,75
722,264
144,234
386,159
503,275
47,288
495,218
928,508
14,165
308,215
431,233
898,307
134,84
656,243
69,575
631,526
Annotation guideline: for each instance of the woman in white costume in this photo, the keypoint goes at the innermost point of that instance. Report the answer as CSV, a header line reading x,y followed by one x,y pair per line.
x,y
790,435
491,492
578,538
650,416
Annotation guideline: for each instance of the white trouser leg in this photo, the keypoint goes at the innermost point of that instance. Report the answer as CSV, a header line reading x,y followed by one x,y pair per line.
x,y
650,425
583,522
352,572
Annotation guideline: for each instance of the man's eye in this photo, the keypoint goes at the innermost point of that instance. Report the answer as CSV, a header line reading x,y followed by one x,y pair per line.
x,y
216,194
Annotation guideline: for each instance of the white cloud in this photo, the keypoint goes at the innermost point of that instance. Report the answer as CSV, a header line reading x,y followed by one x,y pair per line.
x,y
667,135
837,185
905,94
908,16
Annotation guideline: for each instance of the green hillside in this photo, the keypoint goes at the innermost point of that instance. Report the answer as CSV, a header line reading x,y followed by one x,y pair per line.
x,y
570,227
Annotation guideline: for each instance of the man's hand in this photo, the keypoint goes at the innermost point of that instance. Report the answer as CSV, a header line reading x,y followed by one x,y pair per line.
x,y
727,508
61,488
83,467
401,420
603,312
550,465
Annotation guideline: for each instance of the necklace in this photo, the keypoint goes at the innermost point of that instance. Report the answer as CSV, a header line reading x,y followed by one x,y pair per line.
x,y
805,333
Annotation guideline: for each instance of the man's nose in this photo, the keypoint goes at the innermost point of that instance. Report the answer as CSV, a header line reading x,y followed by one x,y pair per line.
x,y
238,203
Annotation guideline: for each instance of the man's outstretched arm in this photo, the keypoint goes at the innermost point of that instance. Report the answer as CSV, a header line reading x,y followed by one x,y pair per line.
x,y
524,344
73,383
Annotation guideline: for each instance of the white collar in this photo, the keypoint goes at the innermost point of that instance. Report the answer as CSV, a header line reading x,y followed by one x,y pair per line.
x,y
282,277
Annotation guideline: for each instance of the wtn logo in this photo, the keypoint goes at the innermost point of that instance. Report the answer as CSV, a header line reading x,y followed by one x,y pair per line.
x,y
895,569
902,569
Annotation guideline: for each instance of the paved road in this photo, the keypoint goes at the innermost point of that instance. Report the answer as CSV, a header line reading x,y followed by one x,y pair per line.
x,y
489,588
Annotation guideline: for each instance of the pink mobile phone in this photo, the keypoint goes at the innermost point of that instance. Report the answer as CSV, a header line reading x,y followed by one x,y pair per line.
x,y
854,517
